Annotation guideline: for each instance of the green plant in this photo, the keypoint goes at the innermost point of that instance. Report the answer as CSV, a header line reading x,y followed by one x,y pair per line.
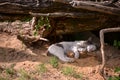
x,y
41,68
26,19
10,70
78,75
54,62
24,75
2,78
116,43
43,21
114,78
117,70
69,71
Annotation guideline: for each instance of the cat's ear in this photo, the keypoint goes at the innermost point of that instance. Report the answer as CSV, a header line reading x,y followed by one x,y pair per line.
x,y
89,40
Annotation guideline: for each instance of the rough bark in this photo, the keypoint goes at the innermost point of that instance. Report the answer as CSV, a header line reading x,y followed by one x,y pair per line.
x,y
70,16
62,25
50,6
96,7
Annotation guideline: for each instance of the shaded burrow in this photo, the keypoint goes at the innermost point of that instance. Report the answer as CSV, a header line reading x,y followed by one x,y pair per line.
x,y
111,38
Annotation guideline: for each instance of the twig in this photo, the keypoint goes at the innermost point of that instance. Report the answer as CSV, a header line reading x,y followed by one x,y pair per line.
x,y
102,32
63,14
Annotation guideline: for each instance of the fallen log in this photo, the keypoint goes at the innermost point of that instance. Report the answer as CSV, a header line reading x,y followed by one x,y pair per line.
x,y
64,15
51,6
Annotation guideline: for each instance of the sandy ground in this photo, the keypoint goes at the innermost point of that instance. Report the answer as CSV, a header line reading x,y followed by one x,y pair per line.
x,y
25,59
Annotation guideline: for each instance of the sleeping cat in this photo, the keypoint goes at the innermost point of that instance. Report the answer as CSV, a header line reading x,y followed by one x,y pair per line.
x,y
63,49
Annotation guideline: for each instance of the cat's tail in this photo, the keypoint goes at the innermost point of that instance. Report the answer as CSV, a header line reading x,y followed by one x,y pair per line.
x,y
59,52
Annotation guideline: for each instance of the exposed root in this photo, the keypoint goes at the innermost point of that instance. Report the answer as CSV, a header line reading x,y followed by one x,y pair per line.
x,y
33,22
102,32
32,38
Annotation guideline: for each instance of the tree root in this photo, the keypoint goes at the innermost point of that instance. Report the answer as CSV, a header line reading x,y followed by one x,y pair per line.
x,y
34,21
102,32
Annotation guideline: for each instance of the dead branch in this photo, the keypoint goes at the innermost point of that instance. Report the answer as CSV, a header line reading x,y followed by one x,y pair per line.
x,y
64,14
95,7
102,32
